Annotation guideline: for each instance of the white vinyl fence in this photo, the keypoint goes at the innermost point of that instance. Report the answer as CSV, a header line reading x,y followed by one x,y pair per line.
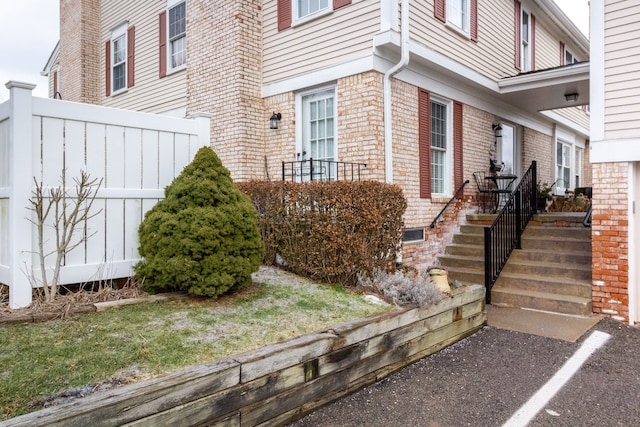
x,y
135,154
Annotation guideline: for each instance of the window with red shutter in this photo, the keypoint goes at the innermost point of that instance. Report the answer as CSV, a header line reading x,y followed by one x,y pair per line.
x,y
474,20
562,54
458,166
424,143
131,34
284,14
107,71
439,10
162,31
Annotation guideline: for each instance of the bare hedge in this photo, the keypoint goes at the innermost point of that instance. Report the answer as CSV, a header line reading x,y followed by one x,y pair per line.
x,y
329,231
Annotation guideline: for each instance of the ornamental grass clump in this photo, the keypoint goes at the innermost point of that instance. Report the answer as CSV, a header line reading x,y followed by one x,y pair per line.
x,y
402,289
203,237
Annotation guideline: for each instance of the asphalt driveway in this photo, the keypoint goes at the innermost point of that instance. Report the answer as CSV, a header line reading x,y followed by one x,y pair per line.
x,y
485,379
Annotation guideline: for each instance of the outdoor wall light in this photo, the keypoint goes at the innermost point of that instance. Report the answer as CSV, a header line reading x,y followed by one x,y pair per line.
x,y
273,121
497,129
571,97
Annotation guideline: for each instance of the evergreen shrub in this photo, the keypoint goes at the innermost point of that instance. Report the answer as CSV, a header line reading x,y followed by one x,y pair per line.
x,y
329,231
203,236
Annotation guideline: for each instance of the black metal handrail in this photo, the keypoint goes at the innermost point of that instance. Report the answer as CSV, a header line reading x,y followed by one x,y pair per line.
x,y
505,233
455,196
321,170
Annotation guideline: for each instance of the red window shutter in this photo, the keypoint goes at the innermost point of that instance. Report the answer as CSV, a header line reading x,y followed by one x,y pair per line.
x,y
562,57
474,20
458,166
340,3
518,35
107,68
163,44
131,42
533,42
439,10
55,83
284,14
424,142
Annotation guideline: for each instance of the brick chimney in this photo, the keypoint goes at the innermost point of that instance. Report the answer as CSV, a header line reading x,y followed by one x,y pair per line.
x,y
80,50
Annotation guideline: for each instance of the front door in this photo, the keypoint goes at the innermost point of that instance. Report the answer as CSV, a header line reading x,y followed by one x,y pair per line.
x,y
507,149
318,133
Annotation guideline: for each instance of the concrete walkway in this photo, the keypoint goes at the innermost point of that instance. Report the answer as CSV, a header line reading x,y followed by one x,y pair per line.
x,y
485,379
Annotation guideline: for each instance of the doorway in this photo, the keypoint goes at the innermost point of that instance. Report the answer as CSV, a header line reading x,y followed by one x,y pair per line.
x,y
508,149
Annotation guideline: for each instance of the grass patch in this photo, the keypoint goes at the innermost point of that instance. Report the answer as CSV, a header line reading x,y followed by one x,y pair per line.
x,y
136,342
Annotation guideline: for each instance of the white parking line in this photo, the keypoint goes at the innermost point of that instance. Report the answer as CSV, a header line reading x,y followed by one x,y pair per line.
x,y
525,414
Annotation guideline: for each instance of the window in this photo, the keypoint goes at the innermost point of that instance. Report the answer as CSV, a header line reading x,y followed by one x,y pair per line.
x,y
318,131
578,166
458,14
569,58
303,8
119,63
526,41
119,59
177,24
563,166
413,235
439,144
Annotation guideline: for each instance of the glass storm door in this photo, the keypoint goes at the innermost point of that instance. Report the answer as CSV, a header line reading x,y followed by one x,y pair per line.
x,y
318,134
563,167
507,150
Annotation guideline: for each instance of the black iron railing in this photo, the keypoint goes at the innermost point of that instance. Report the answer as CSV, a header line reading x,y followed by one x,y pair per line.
x,y
505,233
321,170
455,196
587,218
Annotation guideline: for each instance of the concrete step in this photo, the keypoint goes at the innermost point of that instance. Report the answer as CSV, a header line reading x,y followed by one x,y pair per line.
x,y
541,301
466,250
451,261
544,256
472,229
469,239
466,275
549,270
547,284
556,244
558,232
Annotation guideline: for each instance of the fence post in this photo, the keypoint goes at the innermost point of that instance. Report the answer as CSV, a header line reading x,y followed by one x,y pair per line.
x,y
21,179
203,121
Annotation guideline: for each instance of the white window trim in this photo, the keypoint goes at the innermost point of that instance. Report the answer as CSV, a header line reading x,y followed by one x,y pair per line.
x,y
526,62
466,24
116,33
448,167
300,124
296,20
170,70
572,55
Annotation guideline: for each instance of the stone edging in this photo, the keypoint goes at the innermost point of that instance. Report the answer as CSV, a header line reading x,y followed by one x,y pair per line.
x,y
280,383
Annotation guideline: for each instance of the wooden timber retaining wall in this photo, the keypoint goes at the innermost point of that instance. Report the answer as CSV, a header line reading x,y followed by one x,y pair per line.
x,y
280,383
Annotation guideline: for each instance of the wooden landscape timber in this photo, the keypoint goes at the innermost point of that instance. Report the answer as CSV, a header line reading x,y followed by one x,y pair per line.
x,y
279,383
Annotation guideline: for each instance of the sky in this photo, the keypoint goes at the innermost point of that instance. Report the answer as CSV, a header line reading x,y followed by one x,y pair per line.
x,y
29,32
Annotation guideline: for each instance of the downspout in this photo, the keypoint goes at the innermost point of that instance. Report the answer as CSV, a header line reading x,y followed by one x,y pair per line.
x,y
404,61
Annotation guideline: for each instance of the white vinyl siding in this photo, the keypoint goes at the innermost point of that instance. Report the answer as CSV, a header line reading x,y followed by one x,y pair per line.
x,y
150,93
492,56
622,66
547,48
342,35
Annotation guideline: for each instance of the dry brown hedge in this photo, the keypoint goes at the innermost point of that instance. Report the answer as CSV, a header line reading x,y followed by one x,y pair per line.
x,y
329,231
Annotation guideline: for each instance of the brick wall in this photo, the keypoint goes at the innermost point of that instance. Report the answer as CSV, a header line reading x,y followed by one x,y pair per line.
x,y
610,240
80,51
538,146
478,137
280,144
230,90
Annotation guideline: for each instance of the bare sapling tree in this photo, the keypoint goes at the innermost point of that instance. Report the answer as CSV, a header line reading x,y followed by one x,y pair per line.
x,y
70,213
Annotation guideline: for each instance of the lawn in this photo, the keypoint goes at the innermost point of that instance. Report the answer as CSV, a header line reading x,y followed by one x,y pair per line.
x,y
56,360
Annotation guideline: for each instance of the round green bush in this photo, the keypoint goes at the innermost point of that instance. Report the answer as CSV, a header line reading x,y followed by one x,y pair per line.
x,y
203,236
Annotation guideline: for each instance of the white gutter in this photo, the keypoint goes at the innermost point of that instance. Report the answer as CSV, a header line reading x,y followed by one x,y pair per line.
x,y
404,61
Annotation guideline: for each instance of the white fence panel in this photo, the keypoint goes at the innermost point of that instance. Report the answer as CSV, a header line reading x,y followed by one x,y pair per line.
x,y
135,154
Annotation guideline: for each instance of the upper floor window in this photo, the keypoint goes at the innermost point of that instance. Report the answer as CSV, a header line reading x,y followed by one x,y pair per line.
x,y
119,59
177,24
569,58
458,14
526,40
308,7
119,62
